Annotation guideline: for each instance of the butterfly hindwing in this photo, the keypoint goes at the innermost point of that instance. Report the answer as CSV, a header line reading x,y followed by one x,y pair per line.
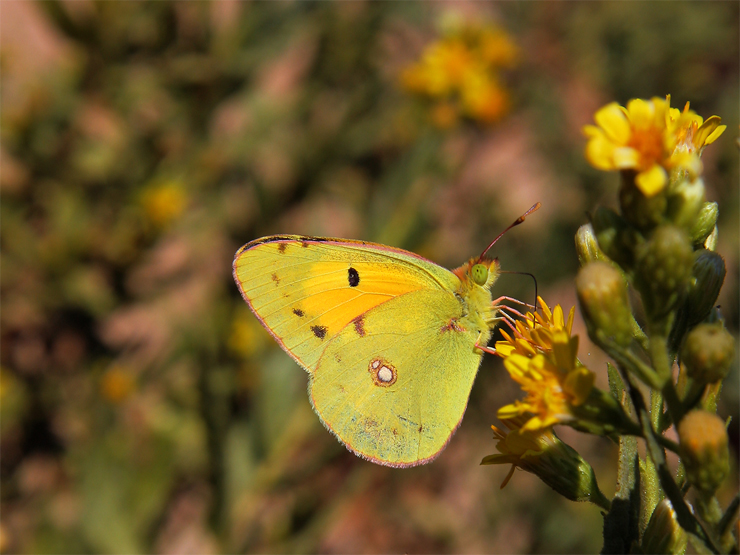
x,y
394,387
305,290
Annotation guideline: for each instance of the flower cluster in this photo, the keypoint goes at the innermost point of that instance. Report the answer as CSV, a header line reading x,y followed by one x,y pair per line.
x,y
460,75
650,138
660,245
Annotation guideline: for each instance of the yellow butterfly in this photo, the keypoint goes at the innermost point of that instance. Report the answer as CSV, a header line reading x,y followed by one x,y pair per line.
x,y
391,341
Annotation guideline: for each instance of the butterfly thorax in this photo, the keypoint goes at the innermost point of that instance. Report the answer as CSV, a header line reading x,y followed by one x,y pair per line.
x,y
477,299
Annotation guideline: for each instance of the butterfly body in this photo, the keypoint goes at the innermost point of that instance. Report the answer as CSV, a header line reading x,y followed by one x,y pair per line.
x,y
387,337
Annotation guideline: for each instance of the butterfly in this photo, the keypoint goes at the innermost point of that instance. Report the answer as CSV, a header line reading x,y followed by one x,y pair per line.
x,y
391,341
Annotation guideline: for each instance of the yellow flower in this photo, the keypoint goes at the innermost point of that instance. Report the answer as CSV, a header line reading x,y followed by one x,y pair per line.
x,y
497,48
164,201
482,98
518,447
441,69
692,132
651,139
117,384
460,74
534,333
543,454
247,337
542,358
552,388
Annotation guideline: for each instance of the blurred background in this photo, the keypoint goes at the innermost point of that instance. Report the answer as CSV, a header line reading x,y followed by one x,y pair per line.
x,y
143,408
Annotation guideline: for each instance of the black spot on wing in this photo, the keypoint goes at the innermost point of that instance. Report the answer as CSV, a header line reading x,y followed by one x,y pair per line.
x,y
282,247
298,312
353,276
276,279
319,331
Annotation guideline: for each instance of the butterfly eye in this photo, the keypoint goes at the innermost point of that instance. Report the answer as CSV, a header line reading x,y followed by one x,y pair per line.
x,y
480,274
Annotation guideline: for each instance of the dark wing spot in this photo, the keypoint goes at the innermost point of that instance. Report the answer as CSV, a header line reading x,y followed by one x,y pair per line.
x,y
359,323
276,279
421,428
282,247
298,312
304,244
353,277
319,331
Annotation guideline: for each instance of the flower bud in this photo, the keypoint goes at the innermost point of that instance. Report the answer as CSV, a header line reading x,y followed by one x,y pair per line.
x,y
554,462
663,533
641,211
602,294
664,266
707,277
704,223
612,233
587,246
703,448
685,203
708,353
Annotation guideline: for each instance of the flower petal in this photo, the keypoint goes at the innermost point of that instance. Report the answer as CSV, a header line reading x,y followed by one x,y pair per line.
x,y
651,181
612,120
626,157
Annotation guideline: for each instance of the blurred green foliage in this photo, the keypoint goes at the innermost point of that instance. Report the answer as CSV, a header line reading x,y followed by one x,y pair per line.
x,y
143,408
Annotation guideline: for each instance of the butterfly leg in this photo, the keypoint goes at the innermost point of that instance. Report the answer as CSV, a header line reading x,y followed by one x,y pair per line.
x,y
484,348
513,300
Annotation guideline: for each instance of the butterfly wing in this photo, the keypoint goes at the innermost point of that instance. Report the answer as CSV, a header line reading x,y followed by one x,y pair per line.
x,y
376,328
305,290
394,389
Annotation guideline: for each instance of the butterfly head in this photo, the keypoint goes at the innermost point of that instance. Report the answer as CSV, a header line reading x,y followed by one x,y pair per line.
x,y
479,271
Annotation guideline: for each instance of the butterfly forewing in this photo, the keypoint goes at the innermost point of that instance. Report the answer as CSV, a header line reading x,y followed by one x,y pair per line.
x,y
306,290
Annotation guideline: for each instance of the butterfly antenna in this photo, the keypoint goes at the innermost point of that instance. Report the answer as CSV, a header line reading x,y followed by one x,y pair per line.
x,y
519,220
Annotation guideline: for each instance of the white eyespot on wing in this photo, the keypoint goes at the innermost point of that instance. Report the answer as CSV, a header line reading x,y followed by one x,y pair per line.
x,y
382,372
385,374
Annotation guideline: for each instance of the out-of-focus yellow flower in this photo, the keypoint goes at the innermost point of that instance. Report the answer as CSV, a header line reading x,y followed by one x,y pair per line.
x,y
441,69
117,384
483,99
497,48
247,337
651,139
163,202
459,74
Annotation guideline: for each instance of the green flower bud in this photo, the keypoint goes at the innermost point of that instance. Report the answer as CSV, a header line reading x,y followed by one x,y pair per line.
x,y
707,277
685,202
642,212
704,223
708,353
664,266
663,533
587,246
602,294
703,448
614,236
